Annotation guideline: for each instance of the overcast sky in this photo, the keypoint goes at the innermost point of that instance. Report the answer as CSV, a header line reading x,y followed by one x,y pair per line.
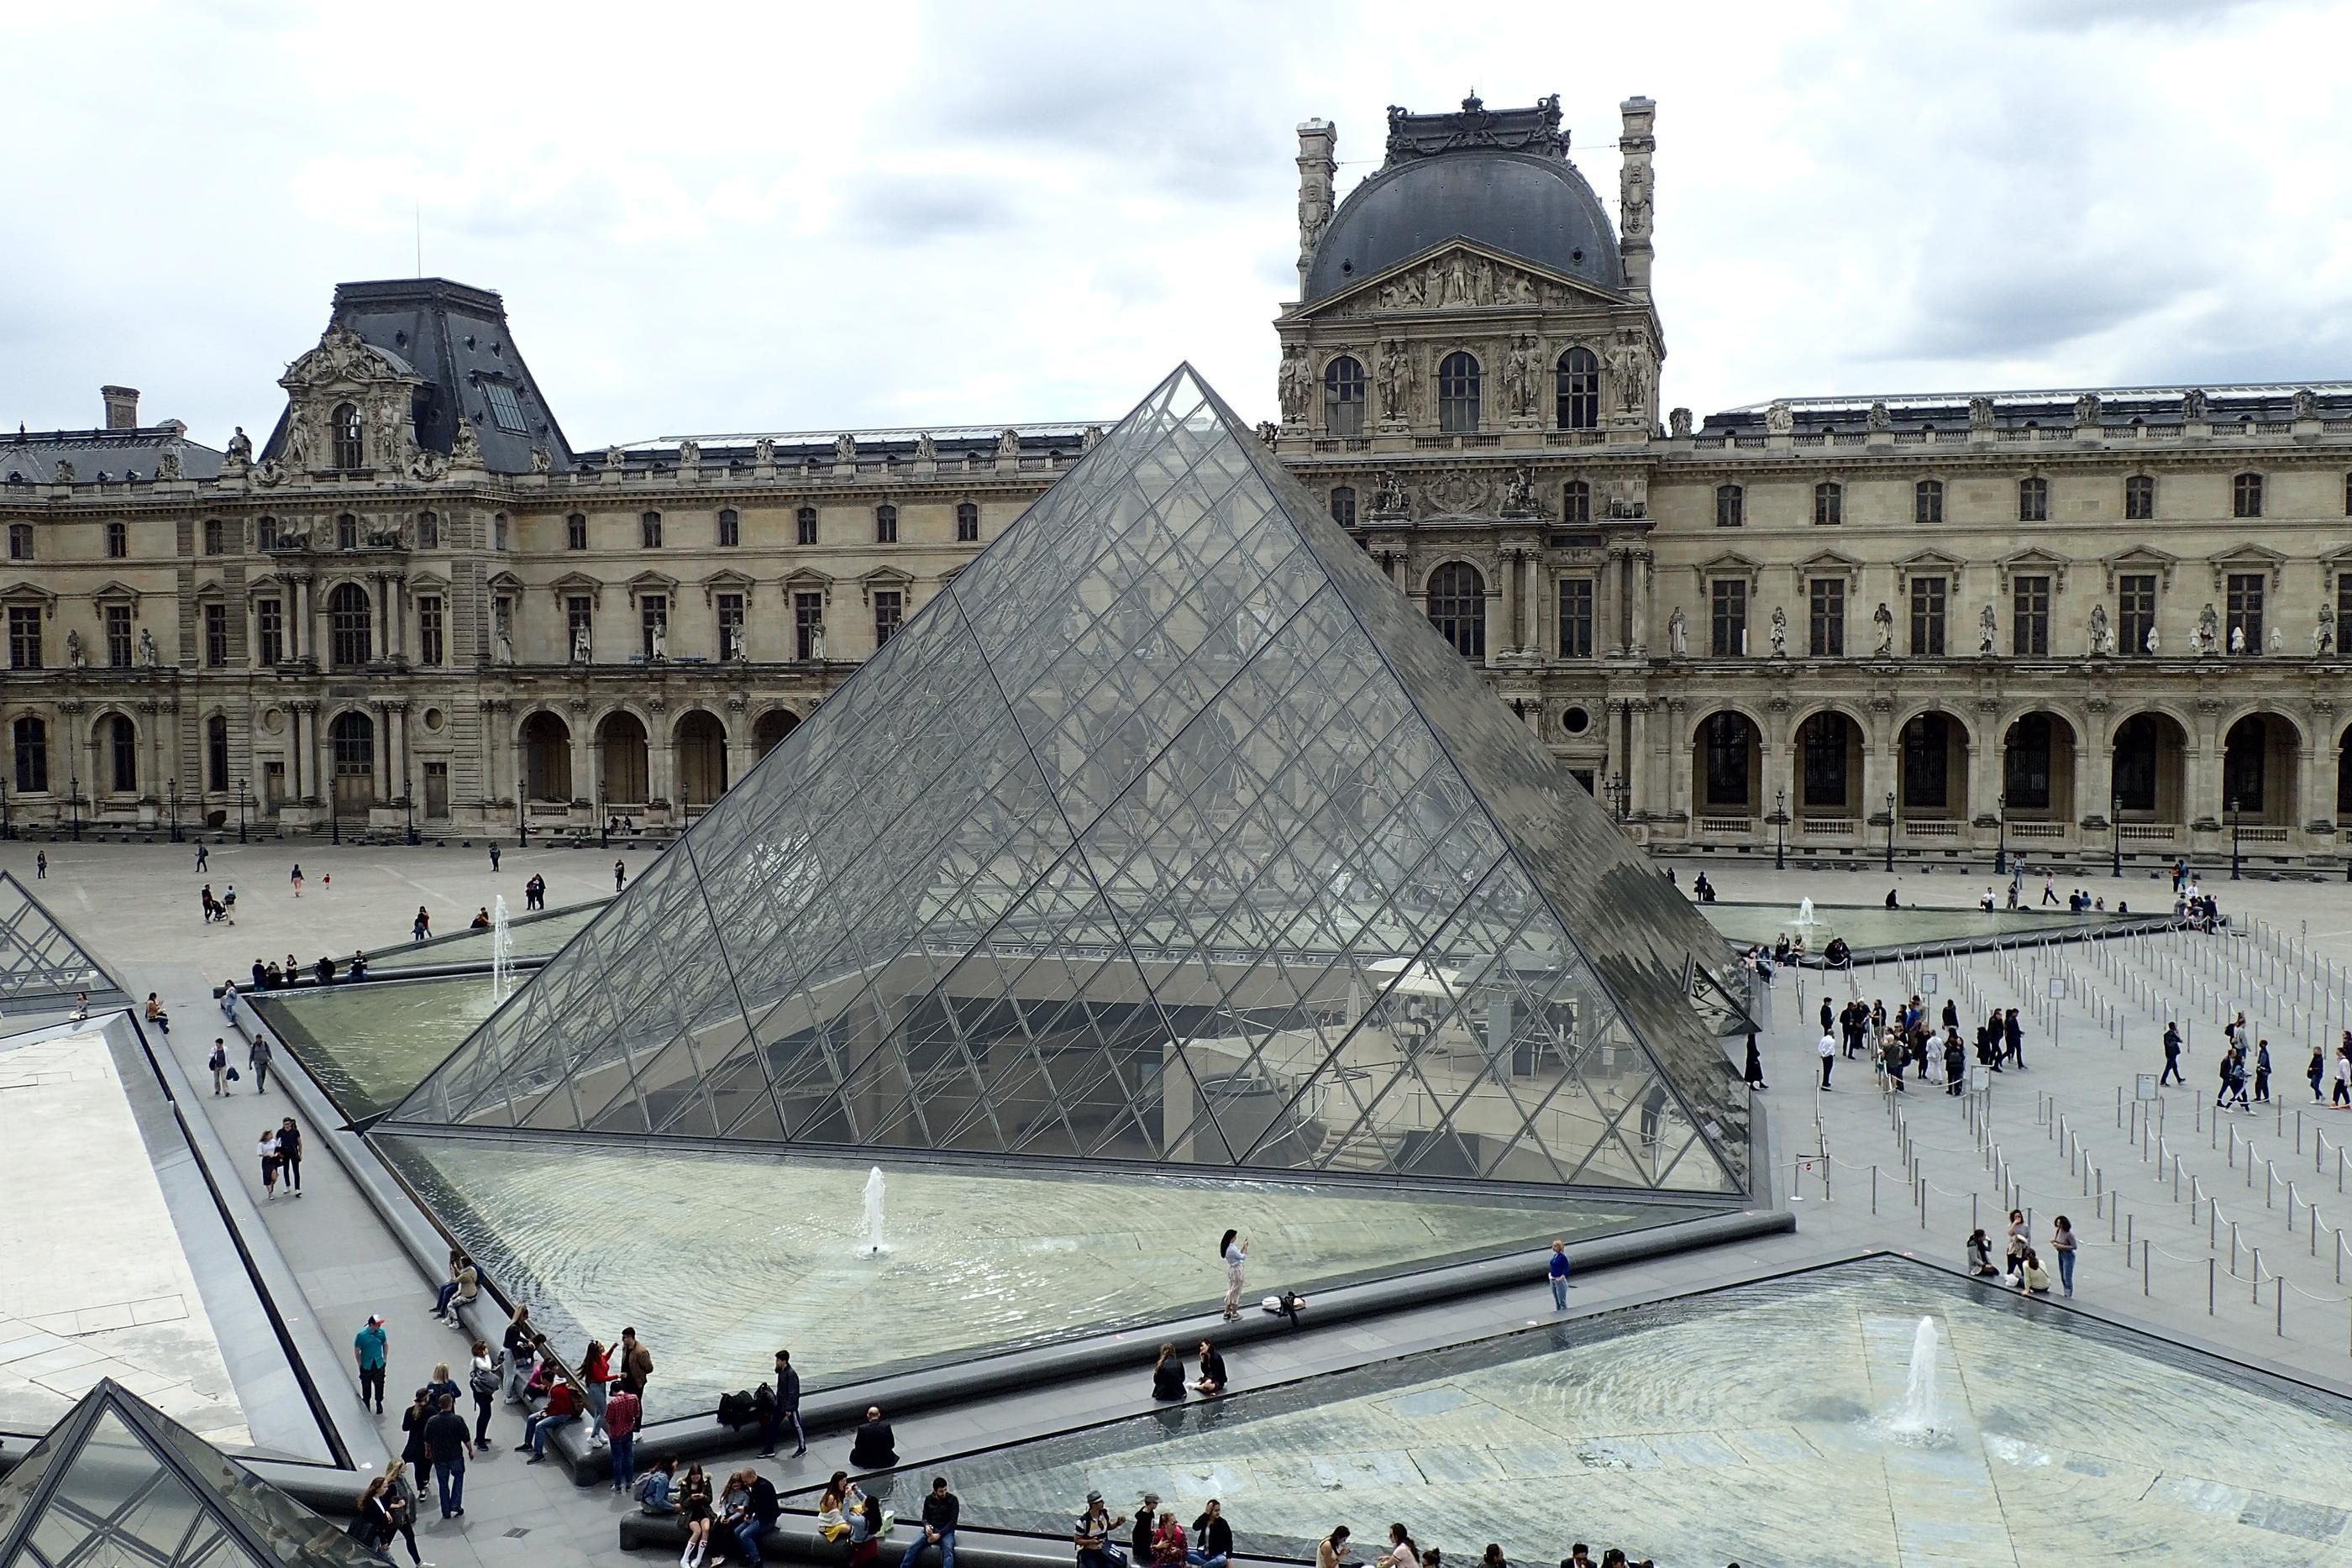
x,y
709,217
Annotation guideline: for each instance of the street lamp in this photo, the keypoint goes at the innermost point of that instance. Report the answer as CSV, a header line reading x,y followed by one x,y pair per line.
x,y
334,810
2115,820
6,830
1890,833
2001,846
1780,829
408,803
240,810
2235,856
173,791
1623,792
73,801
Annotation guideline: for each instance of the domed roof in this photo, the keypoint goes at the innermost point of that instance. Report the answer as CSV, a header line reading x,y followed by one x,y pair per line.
x,y
1526,204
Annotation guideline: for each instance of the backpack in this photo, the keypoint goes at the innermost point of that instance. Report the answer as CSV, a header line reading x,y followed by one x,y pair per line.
x,y
735,1410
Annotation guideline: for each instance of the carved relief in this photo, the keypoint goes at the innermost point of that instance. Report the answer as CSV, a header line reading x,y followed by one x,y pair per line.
x,y
2193,405
1980,413
1293,381
1779,419
2086,409
1678,423
1463,279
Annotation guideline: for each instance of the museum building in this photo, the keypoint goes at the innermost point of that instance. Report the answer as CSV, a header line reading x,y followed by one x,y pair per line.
x,y
2073,622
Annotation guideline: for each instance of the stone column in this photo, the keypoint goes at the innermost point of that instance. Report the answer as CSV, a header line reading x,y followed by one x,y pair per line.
x,y
1985,770
1637,593
585,777
1675,752
661,755
1637,776
1879,744
1503,612
69,754
396,588
2093,767
1606,638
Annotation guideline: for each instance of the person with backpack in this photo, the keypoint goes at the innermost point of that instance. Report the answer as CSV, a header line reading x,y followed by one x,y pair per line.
x,y
256,1056
484,1378
218,1062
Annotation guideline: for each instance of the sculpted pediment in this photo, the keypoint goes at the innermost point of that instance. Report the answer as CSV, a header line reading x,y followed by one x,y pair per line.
x,y
344,359
1459,276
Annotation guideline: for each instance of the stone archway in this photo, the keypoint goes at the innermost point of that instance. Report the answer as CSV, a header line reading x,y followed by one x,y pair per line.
x,y
1828,783
774,725
700,747
1728,769
2260,757
1931,774
546,759
624,776
2147,780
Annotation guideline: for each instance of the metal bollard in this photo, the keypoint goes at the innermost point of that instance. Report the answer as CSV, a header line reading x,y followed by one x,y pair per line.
x,y
2144,1267
2211,1287
1874,1189
2257,1276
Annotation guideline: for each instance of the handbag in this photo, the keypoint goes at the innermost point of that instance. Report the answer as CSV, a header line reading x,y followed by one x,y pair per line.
x,y
234,1077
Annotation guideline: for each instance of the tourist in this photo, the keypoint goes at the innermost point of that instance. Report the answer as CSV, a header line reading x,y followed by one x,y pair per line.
x,y
400,1494
874,1447
2232,1075
2062,1243
1956,1063
357,968
2013,1035
228,902
205,903
1890,1063
1827,1016
2019,1241
268,1149
441,1384
1213,1370
296,879
1493,1557
157,1016
757,1513
412,1449
482,1378
463,1286
657,1489
1402,1552
785,1409
2315,1070
228,1002
562,1409
636,1361
41,866
941,1510
1213,1538
1168,1376
1090,1536
596,1372
1146,1519
2263,1072
372,1525
1980,1254
256,1056
1827,1049
218,1062
323,971
422,925
696,1494
2172,1061
1579,1556
449,1287
624,1413
1233,1248
620,877
2341,1094
1168,1547
521,1354
290,1156
494,859
2032,1278
481,921
1892,902
1331,1552
371,1351
830,1523
451,1445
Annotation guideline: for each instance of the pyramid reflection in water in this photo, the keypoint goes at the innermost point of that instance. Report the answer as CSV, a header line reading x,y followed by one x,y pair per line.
x,y
1167,833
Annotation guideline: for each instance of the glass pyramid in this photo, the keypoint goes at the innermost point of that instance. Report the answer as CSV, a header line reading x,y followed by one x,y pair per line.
x,y
1170,834
118,1483
41,965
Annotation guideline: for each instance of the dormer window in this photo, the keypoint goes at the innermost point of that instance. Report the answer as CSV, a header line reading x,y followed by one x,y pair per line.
x,y
506,408
349,450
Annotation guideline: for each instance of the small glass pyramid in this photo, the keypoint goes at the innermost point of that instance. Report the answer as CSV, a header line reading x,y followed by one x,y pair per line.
x,y
41,963
117,1482
1167,834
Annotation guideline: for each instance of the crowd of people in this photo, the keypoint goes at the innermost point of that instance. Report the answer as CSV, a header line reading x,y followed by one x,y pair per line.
x,y
2022,1267
1905,1042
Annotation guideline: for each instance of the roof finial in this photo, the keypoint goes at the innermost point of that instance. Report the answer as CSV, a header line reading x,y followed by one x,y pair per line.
x,y
1473,103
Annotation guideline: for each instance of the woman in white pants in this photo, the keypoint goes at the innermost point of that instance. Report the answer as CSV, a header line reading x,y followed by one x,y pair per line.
x,y
1234,1249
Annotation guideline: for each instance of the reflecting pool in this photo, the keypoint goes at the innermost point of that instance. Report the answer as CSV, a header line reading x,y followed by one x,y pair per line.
x,y
369,1045
1743,1427
719,1259
536,936
1867,926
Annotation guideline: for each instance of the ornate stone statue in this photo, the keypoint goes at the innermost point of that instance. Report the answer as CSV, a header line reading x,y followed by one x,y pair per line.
x,y
2307,405
2237,639
1519,493
386,413
816,643
295,452
1628,365
2086,409
1779,632
542,460
1396,381
270,472
1389,500
74,655
1881,620
845,448
2323,635
1633,198
690,457
1779,419
661,642
1980,415
2278,639
2151,643
465,446
427,465
1267,431
1091,439
2102,637
1678,423
2209,629
2193,405
1677,634
1516,400
1008,444
615,460
763,453
240,445
926,449
147,654
1987,630
741,650
1880,419
1290,382
505,651
167,463
580,649
62,472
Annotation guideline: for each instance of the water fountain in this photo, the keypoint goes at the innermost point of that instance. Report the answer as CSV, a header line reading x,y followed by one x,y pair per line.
x,y
874,1245
1914,1420
1805,913
501,951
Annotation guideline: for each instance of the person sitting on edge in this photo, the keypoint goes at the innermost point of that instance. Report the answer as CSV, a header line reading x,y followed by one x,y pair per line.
x,y
1213,1370
941,1510
876,1447
655,1487
562,1409
1090,1536
1212,1538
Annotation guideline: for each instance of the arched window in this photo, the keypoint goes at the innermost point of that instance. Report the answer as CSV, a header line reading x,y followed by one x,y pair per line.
x,y
1458,608
347,639
216,753
1576,502
1730,506
1343,505
428,532
966,523
1343,396
350,740
1928,501
347,531
1579,390
1829,503
122,754
351,451
805,526
649,531
576,531
32,738
2246,495
731,528
885,525
1457,393
2033,500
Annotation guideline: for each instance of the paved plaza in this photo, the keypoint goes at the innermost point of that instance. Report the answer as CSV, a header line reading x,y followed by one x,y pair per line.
x,y
2039,1139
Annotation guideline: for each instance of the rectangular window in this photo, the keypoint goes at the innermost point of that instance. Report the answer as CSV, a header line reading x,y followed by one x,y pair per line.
x,y
1728,617
731,528
2139,498
23,637
730,625
649,531
1576,618
653,621
2029,617
2246,495
887,610
215,537
968,521
1826,617
118,636
428,629
2033,500
1928,501
1729,757
20,541
885,525
576,531
2135,612
2244,631
805,526
428,531
578,620
1829,504
1730,506
217,755
505,407
2343,621
216,635
1576,502
269,624
117,541
1928,594
1343,505
808,625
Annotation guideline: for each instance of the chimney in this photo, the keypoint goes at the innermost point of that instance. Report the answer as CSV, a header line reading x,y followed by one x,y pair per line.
x,y
122,407
1637,192
1319,140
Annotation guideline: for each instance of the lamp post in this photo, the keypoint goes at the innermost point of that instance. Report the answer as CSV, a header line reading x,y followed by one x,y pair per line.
x,y
334,810
73,801
408,805
1780,829
2235,856
1890,833
240,810
2115,820
2001,844
6,832
172,789
1622,791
